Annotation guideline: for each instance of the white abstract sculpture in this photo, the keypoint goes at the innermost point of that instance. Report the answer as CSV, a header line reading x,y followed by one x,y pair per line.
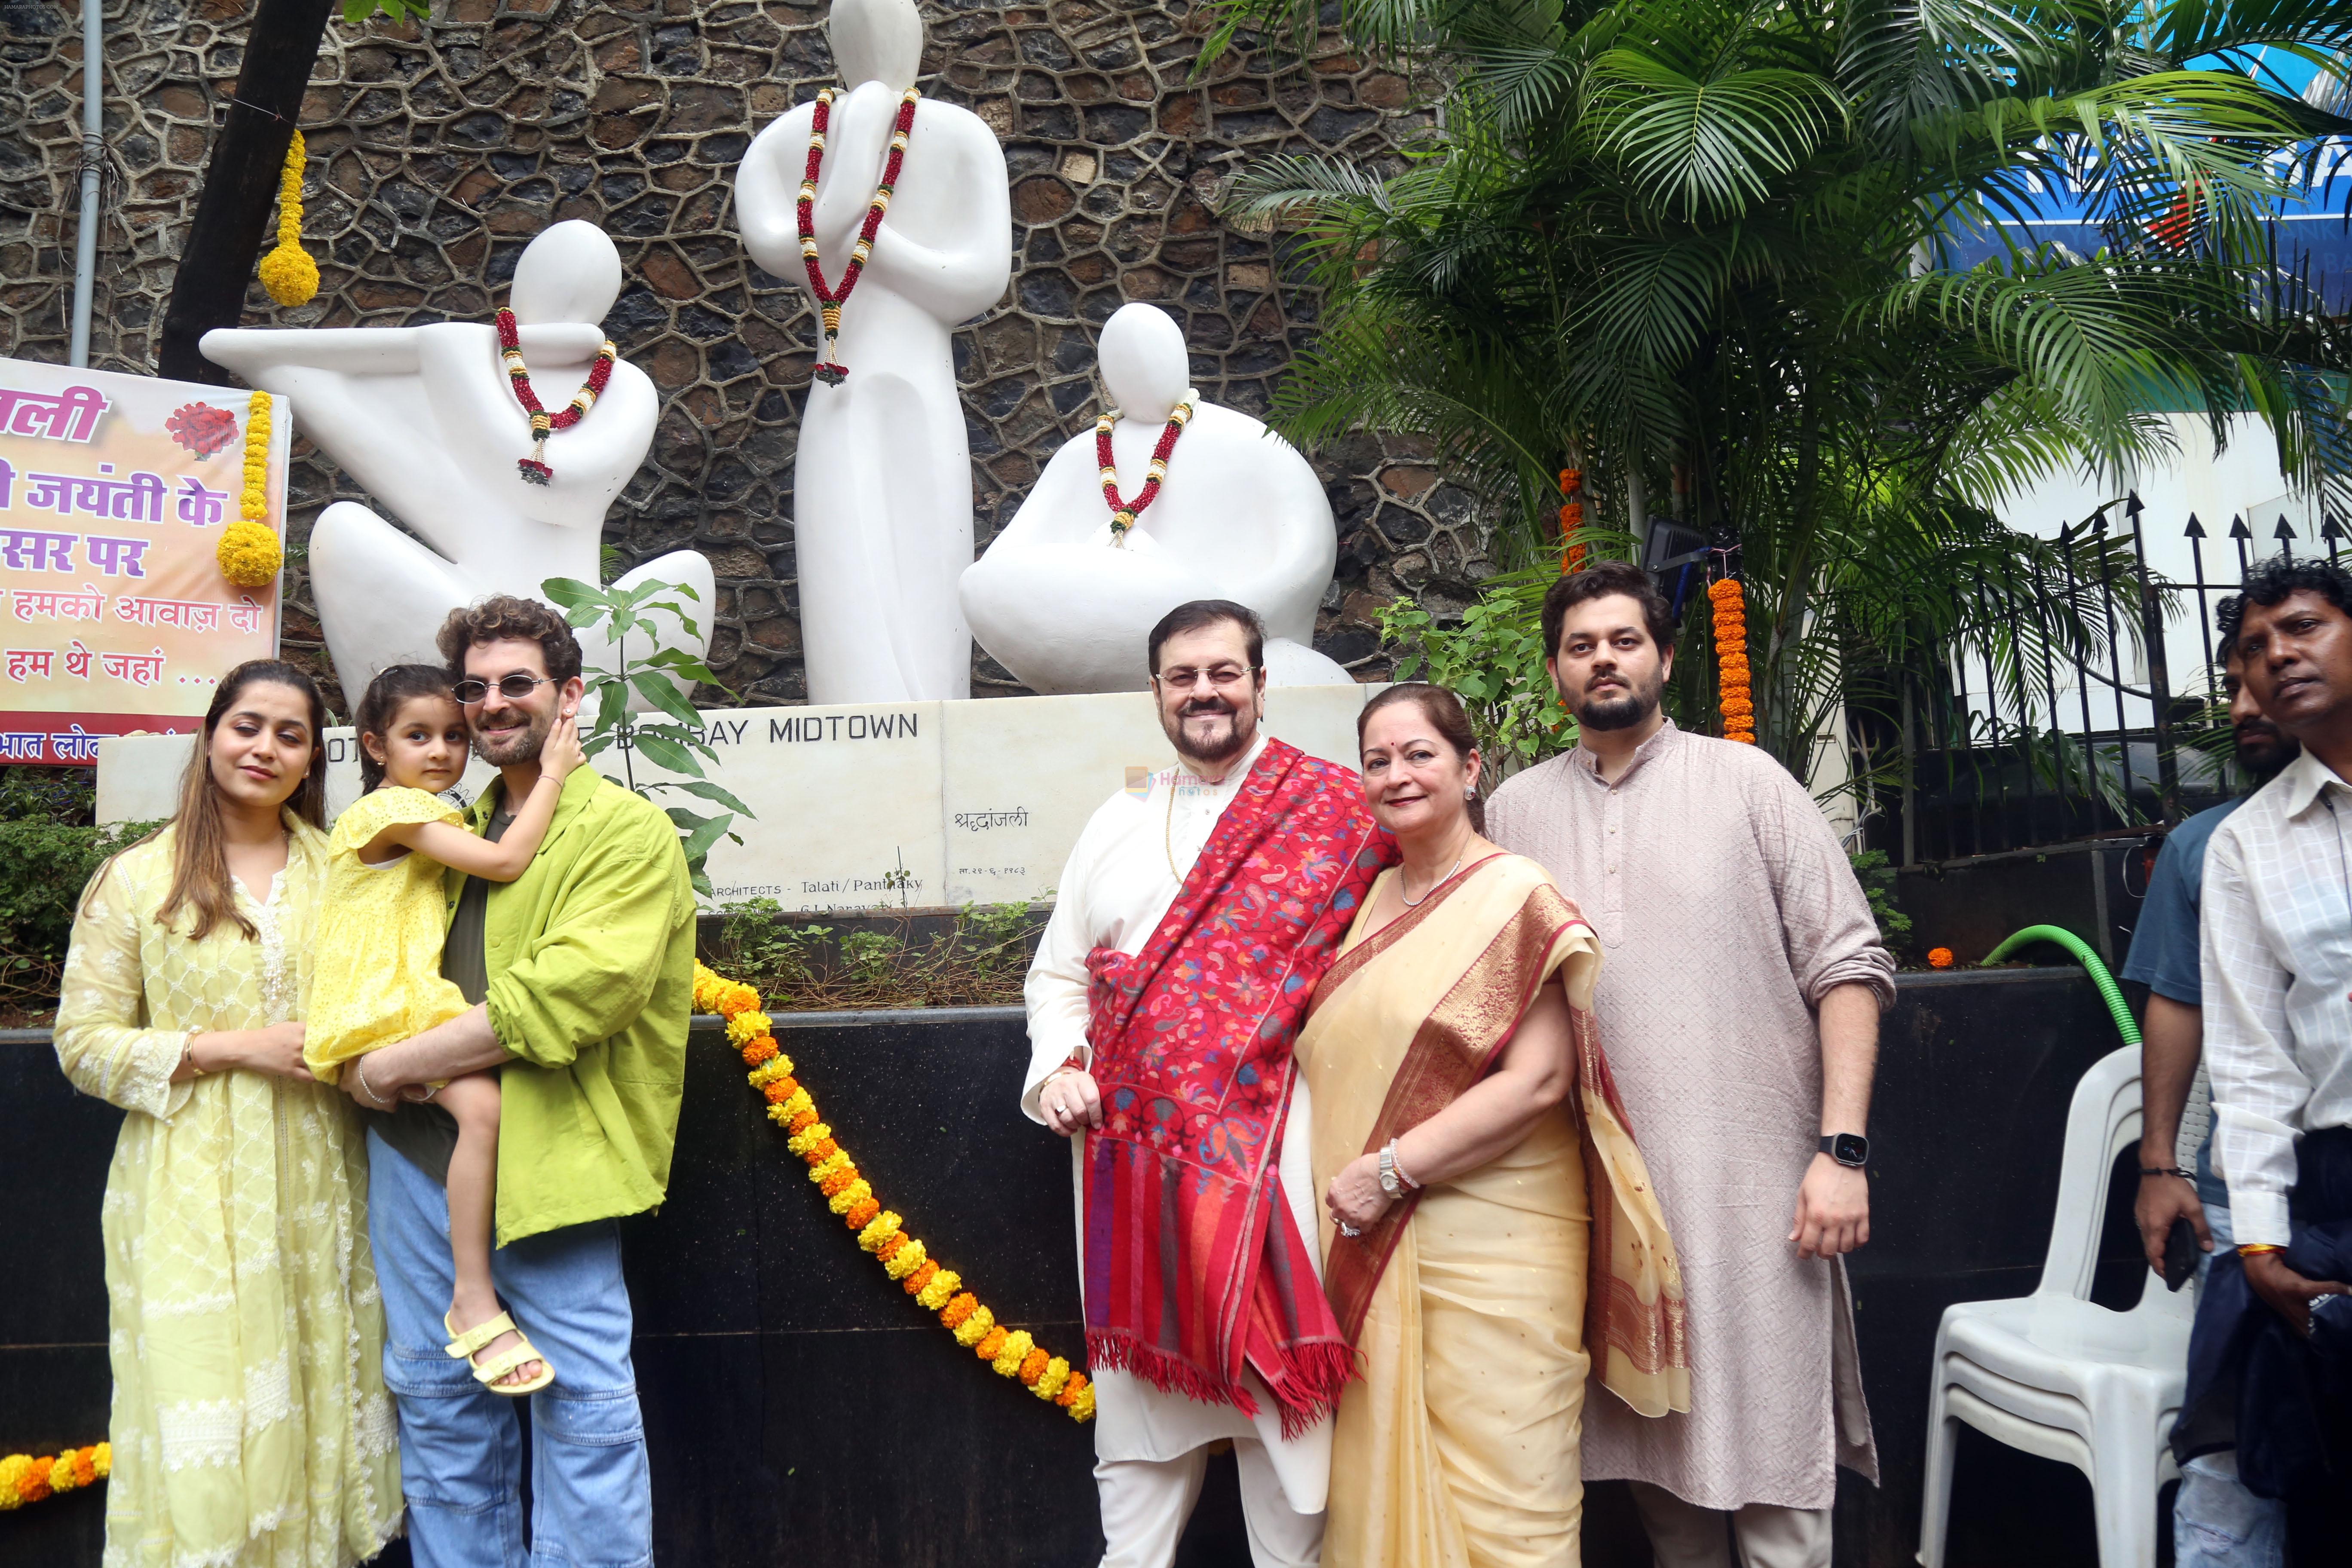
x,y
1241,516
882,488
426,420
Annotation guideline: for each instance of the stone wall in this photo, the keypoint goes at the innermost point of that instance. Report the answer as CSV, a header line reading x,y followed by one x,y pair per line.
x,y
437,151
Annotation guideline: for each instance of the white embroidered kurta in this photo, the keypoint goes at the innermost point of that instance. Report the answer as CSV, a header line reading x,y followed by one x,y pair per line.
x,y
1726,911
1126,870
250,1425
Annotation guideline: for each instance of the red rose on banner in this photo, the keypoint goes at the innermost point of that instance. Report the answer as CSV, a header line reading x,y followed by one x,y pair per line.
x,y
202,429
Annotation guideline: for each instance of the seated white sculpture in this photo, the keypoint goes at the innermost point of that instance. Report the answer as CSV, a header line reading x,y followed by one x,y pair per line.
x,y
1241,516
426,420
882,494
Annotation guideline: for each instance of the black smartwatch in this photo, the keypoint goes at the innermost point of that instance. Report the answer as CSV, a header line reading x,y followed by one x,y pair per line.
x,y
1849,1149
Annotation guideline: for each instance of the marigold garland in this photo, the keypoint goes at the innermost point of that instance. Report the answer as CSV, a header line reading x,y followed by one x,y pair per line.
x,y
25,1477
1009,1353
1571,519
1737,697
288,272
249,551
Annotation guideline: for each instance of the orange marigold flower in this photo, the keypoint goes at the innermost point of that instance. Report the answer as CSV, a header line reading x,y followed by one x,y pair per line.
x,y
914,1282
36,1484
1071,1390
953,1314
1033,1367
824,1150
802,1122
1939,958
837,1181
1738,708
889,1243
758,1050
991,1343
860,1213
777,1090
1724,588
85,1466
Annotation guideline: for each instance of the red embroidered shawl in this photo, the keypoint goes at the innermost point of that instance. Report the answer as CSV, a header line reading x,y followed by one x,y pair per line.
x,y
1193,1264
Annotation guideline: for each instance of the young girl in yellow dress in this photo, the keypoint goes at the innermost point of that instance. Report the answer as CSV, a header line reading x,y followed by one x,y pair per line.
x,y
376,976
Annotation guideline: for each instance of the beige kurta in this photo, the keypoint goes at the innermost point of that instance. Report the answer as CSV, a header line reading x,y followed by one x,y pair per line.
x,y
1727,909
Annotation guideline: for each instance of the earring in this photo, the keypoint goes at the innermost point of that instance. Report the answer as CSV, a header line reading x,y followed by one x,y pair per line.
x,y
1471,794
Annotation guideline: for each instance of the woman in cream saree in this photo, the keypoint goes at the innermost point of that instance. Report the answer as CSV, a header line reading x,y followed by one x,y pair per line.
x,y
1478,1302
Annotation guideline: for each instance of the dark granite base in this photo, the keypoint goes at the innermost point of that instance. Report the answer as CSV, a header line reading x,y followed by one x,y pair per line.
x,y
800,1407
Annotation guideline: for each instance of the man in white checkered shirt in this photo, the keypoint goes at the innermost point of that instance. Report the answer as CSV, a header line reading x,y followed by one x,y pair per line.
x,y
2277,979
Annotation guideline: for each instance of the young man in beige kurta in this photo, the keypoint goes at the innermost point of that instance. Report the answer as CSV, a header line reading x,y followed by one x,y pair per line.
x,y
1742,956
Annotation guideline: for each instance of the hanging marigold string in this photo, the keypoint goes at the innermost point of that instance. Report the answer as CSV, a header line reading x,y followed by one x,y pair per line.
x,y
1737,697
1571,518
1009,1353
534,468
25,1477
288,272
829,300
249,551
1124,514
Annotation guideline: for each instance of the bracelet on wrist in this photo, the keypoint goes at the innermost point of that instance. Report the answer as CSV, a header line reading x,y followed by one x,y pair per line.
x,y
2145,1171
2249,1249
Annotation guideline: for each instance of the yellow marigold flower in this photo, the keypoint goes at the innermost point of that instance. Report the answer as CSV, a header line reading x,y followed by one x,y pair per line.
x,y
1081,1408
972,1329
1012,1354
858,1191
1050,1381
807,1138
882,1225
746,1026
991,1344
248,554
61,1473
101,1458
940,1291
705,986
768,1072
12,1471
793,1105
826,1167
907,1259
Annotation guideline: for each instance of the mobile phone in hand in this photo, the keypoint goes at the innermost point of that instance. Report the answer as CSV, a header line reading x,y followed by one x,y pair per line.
x,y
2180,1251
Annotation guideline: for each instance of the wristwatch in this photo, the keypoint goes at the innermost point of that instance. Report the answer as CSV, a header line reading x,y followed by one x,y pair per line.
x,y
1849,1149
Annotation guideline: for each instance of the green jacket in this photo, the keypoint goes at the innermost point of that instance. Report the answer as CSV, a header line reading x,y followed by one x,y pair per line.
x,y
590,954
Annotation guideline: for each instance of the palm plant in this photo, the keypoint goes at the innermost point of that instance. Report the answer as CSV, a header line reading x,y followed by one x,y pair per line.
x,y
1705,249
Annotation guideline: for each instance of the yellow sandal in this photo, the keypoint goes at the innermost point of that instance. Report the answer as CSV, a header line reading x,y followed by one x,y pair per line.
x,y
464,1343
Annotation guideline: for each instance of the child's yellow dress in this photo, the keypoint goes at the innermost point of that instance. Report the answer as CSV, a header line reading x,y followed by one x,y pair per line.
x,y
376,976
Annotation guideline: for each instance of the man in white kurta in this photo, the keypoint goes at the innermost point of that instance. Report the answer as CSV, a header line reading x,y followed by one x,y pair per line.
x,y
1150,1446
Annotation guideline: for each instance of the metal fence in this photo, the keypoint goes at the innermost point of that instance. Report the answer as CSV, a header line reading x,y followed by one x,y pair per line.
x,y
2029,746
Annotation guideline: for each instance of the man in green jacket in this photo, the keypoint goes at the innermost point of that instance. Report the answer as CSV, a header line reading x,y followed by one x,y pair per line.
x,y
581,975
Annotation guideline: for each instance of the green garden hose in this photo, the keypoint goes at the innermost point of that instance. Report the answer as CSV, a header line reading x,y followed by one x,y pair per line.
x,y
2087,959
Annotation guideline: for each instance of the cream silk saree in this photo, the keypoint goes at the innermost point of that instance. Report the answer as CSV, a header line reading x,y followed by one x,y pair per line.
x,y
1477,1306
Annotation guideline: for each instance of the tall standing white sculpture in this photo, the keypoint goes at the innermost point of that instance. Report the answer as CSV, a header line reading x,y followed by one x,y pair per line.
x,y
426,419
882,487
1066,594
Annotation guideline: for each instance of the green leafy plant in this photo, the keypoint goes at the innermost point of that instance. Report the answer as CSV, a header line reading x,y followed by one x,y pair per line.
x,y
1876,875
760,941
49,850
675,742
871,955
1494,661
358,10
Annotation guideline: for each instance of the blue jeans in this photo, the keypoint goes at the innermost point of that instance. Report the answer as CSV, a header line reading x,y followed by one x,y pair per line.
x,y
2216,1521
460,1445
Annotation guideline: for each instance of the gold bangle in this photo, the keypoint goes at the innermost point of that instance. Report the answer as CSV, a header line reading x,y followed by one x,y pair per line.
x,y
188,1053
2249,1249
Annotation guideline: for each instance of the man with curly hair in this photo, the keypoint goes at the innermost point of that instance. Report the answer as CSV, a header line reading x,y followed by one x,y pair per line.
x,y
581,972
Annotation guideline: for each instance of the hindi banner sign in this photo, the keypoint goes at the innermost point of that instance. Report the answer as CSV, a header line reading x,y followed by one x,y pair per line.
x,y
114,617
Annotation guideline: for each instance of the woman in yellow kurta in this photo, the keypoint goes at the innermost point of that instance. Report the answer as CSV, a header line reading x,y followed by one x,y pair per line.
x,y
380,974
1489,1228
250,1425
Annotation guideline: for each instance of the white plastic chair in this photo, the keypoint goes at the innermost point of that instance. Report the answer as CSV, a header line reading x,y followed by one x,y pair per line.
x,y
2056,1375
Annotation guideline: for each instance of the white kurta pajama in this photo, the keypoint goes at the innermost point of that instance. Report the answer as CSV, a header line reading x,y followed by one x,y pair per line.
x,y
1127,869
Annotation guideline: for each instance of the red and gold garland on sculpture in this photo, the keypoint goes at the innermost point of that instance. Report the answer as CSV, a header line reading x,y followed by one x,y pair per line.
x,y
534,468
1123,513
829,300
1009,1354
1738,697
